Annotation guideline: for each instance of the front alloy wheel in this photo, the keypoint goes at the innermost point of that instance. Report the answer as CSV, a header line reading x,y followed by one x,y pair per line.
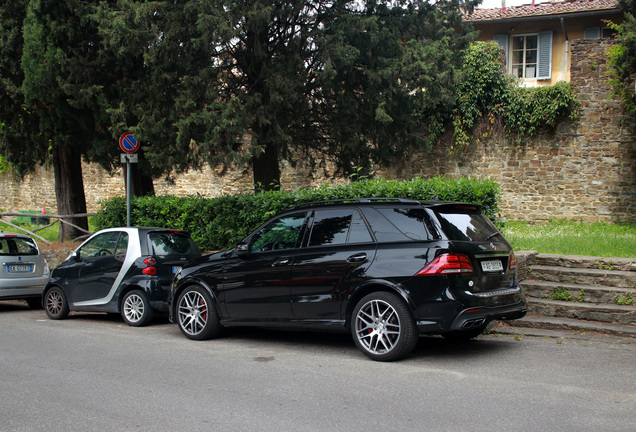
x,y
135,309
383,327
55,304
196,314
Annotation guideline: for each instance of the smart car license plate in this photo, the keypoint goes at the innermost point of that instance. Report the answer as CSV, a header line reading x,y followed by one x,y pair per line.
x,y
175,269
20,268
492,266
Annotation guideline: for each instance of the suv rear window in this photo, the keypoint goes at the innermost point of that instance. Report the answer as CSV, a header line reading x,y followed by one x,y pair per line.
x,y
173,243
390,224
466,224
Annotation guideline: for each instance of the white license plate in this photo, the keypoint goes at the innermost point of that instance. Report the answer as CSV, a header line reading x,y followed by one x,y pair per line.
x,y
20,268
492,266
175,269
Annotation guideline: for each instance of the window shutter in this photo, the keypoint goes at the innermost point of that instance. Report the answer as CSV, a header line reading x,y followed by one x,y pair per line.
x,y
502,40
591,32
544,55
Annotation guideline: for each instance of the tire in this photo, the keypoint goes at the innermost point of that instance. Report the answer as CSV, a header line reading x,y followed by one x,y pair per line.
x,y
196,314
383,327
465,335
135,309
55,304
34,303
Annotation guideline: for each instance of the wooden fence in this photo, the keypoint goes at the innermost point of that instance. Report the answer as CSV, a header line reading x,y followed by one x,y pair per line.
x,y
47,217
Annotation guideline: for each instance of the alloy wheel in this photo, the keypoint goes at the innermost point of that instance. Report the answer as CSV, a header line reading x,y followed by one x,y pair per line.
x,y
377,327
192,313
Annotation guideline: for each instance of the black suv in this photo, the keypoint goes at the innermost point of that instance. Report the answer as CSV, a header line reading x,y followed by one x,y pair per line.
x,y
384,269
120,270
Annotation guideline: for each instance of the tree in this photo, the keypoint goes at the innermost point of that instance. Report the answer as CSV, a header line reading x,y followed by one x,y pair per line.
x,y
622,57
356,81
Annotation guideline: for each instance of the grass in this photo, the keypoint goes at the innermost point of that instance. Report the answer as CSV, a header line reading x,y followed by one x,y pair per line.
x,y
573,238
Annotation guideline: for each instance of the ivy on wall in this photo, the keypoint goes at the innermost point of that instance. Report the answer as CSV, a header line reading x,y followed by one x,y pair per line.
x,y
490,99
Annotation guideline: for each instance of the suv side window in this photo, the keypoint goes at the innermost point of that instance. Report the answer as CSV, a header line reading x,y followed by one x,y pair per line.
x,y
281,233
391,224
330,227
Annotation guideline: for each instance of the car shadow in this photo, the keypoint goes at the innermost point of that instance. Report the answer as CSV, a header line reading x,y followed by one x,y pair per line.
x,y
428,347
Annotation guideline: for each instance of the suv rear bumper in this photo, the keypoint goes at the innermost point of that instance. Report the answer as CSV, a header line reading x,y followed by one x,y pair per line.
x,y
478,316
474,317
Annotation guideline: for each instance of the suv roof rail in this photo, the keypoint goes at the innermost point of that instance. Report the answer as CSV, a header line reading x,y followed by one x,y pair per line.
x,y
353,200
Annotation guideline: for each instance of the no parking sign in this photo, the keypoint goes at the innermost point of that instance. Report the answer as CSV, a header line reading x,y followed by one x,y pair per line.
x,y
128,143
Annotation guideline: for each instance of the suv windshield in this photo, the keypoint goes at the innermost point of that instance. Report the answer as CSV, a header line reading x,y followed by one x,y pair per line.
x,y
466,225
173,243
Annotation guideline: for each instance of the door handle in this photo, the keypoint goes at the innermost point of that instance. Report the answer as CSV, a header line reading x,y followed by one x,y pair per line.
x,y
361,257
280,262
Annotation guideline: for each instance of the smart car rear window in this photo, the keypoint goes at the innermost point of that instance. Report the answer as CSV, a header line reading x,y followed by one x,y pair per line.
x,y
173,243
391,224
466,224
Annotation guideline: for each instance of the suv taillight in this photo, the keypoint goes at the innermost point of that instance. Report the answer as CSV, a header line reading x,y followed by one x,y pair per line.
x,y
512,261
447,264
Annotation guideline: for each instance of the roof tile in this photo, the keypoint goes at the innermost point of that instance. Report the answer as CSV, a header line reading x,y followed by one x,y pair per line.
x,y
553,7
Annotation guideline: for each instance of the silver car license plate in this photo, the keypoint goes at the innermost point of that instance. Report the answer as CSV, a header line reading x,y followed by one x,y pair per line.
x,y
20,268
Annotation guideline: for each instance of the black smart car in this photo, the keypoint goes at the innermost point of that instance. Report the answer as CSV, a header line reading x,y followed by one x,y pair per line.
x,y
386,270
120,270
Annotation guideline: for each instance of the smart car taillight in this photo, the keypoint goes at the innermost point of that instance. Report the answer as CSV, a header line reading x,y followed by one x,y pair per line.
x,y
447,264
150,270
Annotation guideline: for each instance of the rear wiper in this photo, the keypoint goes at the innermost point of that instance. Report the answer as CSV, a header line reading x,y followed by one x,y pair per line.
x,y
495,234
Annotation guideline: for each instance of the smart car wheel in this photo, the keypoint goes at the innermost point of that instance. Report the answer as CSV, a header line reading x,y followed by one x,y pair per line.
x,y
383,327
55,304
197,315
135,309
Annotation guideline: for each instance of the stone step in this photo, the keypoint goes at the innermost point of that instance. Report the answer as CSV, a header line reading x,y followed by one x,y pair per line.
x,y
590,262
567,324
583,276
607,313
580,293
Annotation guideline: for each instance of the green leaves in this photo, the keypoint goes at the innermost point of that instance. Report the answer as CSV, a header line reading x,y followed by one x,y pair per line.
x,y
486,93
221,222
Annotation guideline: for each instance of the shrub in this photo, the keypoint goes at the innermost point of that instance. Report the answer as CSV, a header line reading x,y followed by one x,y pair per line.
x,y
217,223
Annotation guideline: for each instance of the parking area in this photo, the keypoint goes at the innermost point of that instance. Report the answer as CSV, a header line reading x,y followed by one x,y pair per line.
x,y
93,372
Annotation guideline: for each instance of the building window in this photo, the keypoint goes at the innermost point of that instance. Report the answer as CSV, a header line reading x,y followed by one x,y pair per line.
x,y
524,56
528,56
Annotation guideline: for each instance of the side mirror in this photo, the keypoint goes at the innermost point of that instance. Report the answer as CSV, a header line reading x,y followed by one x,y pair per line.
x,y
242,249
75,256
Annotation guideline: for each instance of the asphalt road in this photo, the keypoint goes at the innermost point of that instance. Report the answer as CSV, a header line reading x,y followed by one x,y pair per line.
x,y
91,372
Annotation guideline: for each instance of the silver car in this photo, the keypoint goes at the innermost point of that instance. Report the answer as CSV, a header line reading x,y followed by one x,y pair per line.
x,y
24,271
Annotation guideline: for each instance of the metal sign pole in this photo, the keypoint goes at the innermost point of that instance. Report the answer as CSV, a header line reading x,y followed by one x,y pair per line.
x,y
129,145
128,191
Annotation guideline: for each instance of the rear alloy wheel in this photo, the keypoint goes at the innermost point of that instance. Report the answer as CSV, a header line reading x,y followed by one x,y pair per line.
x,y
383,327
135,309
197,315
55,304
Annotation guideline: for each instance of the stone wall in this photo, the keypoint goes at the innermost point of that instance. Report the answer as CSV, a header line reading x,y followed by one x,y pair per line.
x,y
585,170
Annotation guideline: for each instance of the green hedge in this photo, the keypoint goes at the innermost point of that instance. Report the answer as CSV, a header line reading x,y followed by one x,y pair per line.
x,y
218,223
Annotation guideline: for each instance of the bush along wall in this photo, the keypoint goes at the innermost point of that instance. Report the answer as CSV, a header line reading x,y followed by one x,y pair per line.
x,y
219,223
